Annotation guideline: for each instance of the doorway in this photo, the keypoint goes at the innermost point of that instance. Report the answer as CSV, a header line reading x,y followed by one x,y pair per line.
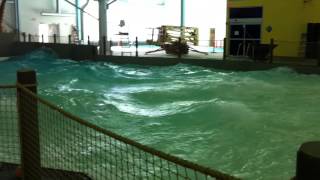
x,y
243,37
244,30
43,33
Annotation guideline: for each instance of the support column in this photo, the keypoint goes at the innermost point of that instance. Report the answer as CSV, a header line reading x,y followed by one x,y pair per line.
x,y
17,13
182,17
78,20
103,24
183,13
81,18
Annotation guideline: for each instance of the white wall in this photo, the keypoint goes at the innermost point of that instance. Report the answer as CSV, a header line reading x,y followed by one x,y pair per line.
x,y
30,15
91,24
139,15
142,14
206,14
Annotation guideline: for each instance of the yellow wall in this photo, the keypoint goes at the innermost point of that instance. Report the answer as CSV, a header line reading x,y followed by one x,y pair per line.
x,y
312,11
288,19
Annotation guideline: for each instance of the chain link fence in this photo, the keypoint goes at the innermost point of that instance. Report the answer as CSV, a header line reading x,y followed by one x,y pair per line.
x,y
59,145
9,136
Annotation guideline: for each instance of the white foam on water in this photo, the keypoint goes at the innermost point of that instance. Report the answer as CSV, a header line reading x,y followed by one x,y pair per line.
x,y
126,104
4,58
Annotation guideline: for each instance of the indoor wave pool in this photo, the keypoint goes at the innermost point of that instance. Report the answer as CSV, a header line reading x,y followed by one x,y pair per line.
x,y
248,124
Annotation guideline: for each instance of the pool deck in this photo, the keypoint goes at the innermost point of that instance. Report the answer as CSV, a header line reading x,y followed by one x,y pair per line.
x,y
9,46
8,172
305,66
210,60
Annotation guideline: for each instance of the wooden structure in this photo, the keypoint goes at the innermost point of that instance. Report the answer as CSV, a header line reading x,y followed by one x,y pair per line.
x,y
170,34
190,35
168,39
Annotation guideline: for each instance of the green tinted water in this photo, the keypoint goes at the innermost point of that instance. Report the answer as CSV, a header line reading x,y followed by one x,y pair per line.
x,y
249,124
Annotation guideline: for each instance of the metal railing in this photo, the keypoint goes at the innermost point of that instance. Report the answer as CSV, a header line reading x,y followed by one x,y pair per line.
x,y
51,143
205,49
70,39
127,46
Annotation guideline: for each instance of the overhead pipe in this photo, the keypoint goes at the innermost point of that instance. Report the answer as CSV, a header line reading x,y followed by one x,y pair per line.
x,y
110,3
65,14
77,7
84,6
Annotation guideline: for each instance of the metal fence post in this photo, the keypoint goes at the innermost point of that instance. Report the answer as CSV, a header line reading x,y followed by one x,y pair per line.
x,y
104,45
179,47
318,54
88,40
42,38
110,45
224,48
28,126
137,54
29,37
271,50
54,38
69,39
24,36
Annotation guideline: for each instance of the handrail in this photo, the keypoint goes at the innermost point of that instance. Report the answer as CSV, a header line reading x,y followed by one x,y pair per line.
x,y
238,51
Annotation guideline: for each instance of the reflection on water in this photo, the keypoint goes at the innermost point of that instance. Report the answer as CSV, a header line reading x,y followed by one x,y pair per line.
x,y
249,124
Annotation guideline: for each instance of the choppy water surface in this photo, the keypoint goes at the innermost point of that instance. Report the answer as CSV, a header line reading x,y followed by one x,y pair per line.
x,y
249,124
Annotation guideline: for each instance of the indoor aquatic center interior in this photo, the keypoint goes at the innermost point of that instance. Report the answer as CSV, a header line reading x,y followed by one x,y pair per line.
x,y
159,89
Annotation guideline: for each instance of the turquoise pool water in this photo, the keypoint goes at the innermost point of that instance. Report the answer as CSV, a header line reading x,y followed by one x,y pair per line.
x,y
249,124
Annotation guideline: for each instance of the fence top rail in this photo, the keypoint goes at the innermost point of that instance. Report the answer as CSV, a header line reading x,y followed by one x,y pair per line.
x,y
7,86
165,156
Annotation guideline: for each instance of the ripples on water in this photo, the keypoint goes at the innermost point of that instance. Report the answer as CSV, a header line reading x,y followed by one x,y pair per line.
x,y
249,124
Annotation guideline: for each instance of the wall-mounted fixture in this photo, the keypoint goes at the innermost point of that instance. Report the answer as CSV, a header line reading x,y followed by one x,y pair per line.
x,y
269,29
